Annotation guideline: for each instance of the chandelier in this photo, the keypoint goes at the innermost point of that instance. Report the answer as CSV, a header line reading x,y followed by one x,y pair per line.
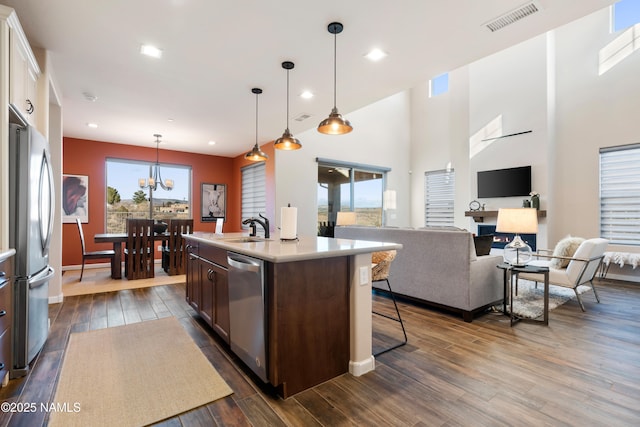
x,y
155,178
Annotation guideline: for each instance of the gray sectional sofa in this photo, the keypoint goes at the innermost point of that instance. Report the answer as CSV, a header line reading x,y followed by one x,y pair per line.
x,y
438,267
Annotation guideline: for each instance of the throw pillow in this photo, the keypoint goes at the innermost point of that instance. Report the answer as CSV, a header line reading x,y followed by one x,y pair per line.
x,y
565,247
483,244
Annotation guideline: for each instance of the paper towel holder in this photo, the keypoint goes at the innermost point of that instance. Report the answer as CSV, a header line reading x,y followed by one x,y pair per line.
x,y
290,239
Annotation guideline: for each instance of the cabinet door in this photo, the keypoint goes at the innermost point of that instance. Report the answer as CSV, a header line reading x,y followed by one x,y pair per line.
x,y
193,296
208,292
23,78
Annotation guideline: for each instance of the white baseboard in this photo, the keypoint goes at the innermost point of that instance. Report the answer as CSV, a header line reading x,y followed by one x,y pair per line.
x,y
362,367
56,299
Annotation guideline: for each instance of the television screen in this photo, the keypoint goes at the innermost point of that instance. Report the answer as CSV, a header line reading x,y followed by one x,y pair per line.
x,y
504,182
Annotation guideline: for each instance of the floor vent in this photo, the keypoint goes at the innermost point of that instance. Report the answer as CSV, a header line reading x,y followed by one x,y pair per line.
x,y
513,16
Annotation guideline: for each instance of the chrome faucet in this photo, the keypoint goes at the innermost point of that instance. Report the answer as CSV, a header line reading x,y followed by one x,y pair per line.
x,y
252,223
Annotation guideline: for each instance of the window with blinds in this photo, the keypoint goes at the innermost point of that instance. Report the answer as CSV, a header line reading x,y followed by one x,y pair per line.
x,y
254,193
439,191
620,194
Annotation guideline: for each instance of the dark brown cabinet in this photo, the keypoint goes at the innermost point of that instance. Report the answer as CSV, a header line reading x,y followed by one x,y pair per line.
x,y
308,322
6,272
306,313
193,278
207,286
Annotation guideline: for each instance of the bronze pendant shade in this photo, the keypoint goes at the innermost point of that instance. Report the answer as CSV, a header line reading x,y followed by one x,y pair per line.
x,y
287,141
256,154
335,124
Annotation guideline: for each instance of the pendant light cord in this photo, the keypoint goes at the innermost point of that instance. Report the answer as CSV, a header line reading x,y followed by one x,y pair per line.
x,y
257,119
287,99
335,78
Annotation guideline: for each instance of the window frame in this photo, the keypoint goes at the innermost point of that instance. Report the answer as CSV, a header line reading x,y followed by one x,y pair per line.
x,y
252,203
440,195
353,168
619,194
146,164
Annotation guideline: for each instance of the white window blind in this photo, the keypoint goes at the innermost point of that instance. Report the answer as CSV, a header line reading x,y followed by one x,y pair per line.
x,y
439,191
620,194
254,194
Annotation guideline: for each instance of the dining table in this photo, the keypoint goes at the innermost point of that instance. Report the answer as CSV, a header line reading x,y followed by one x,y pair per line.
x,y
117,239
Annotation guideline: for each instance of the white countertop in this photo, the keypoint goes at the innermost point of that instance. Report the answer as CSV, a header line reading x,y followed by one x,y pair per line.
x,y
6,254
306,247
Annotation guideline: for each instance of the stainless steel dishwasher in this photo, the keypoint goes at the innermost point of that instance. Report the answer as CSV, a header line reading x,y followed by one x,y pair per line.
x,y
247,325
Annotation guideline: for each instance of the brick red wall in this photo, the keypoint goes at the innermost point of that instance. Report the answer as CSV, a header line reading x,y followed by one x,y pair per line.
x,y
85,157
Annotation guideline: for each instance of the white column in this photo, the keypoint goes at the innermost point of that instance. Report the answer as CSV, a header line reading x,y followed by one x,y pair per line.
x,y
361,358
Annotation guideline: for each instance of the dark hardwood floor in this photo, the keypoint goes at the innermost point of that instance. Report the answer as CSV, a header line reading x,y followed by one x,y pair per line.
x,y
581,370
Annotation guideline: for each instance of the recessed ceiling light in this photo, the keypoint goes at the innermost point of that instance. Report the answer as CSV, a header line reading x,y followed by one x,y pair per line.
x,y
212,143
376,54
149,50
92,125
170,120
306,94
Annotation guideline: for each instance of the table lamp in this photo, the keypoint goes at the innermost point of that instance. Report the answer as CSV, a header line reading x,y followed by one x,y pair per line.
x,y
346,218
517,220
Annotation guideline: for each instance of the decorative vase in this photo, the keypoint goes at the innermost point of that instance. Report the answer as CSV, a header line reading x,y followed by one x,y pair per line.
x,y
526,204
535,202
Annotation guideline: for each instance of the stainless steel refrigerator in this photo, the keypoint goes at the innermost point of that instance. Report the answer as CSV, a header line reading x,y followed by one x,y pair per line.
x,y
31,204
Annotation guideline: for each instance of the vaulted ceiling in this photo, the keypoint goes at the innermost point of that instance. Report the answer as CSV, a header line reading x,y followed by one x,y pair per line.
x,y
214,52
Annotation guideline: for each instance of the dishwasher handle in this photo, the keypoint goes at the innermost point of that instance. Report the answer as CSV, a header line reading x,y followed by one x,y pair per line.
x,y
242,263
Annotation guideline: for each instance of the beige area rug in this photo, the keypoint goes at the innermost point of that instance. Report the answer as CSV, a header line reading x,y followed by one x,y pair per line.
x,y
98,280
133,375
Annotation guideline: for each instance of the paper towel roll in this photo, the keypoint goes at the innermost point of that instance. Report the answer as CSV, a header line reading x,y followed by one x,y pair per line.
x,y
288,223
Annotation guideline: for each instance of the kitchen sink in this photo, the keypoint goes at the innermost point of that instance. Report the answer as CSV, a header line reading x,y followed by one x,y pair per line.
x,y
244,239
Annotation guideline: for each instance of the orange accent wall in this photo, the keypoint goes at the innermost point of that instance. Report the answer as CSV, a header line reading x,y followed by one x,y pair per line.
x,y
270,168
85,157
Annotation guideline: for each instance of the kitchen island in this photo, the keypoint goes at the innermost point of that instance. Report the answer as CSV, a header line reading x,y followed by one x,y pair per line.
x,y
316,296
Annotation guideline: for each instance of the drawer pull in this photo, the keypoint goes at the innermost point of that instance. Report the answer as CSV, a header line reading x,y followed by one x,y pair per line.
x,y
1,366
2,274
3,312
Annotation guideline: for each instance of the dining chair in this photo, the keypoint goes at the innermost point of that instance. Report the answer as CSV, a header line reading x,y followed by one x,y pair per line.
x,y
105,254
138,253
174,254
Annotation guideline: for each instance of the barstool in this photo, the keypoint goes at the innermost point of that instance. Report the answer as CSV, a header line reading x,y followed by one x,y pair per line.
x,y
379,273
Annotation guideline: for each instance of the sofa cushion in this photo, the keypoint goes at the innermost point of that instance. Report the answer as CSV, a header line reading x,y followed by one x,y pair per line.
x,y
566,247
483,244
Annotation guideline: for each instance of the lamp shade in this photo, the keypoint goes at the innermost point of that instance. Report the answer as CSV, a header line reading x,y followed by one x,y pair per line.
x,y
346,218
517,220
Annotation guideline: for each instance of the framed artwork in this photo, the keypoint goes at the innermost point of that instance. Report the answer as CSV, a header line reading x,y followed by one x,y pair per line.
x,y
213,201
75,198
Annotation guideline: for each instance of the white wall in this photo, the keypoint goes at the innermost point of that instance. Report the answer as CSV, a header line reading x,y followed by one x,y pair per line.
x,y
593,111
512,85
549,85
380,137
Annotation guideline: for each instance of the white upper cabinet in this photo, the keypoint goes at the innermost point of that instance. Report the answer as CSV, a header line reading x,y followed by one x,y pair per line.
x,y
24,72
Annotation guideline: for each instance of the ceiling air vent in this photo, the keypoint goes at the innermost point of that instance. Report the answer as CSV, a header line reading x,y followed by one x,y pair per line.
x,y
302,117
513,16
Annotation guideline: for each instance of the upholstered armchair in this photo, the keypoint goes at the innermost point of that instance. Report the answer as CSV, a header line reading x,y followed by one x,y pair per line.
x,y
580,268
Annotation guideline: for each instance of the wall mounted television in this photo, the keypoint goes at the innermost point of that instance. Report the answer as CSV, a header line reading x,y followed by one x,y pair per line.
x,y
504,182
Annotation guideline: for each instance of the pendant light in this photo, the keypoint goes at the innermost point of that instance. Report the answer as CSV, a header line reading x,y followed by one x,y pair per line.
x,y
256,154
335,124
287,141
155,178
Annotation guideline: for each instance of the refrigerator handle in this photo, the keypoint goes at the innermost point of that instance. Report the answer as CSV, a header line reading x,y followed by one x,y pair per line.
x,y
46,169
39,281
